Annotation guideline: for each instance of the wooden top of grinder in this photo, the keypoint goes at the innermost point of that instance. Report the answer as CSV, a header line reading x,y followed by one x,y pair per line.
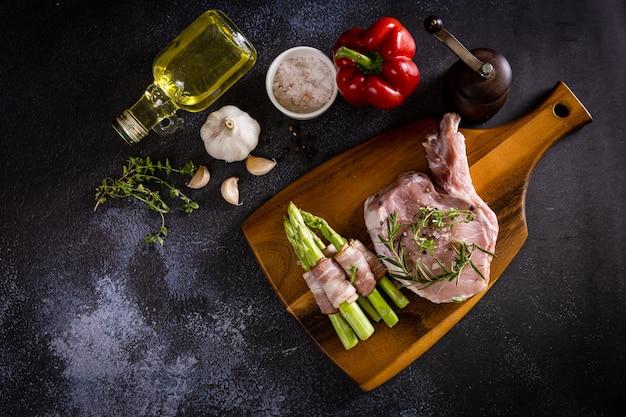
x,y
478,84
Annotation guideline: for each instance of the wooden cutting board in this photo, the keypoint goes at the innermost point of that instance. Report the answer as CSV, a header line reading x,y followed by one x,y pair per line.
x,y
501,161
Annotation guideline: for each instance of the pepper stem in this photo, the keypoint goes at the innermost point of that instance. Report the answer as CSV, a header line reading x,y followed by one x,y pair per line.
x,y
367,62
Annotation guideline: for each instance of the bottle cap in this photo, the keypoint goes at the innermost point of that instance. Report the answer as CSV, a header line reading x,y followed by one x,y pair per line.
x,y
129,128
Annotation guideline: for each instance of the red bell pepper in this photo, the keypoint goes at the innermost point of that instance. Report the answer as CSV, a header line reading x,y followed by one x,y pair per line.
x,y
375,65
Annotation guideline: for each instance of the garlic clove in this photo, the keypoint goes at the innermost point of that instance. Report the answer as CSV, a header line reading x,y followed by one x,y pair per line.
x,y
259,166
230,191
200,179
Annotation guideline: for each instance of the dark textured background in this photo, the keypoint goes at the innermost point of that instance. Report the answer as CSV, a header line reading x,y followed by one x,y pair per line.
x,y
94,322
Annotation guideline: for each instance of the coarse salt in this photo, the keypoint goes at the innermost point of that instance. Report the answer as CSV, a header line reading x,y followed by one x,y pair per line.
x,y
303,84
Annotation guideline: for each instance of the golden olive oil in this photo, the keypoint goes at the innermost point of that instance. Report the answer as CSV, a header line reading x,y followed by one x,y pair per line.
x,y
193,71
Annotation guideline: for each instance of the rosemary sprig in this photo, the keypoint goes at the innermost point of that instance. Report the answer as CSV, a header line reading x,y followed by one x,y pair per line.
x,y
137,175
427,222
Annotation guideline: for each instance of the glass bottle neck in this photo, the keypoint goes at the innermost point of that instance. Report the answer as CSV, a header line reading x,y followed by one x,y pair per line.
x,y
147,113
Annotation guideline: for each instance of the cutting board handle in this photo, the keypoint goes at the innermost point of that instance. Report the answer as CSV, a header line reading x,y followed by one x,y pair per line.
x,y
505,156
558,114
564,107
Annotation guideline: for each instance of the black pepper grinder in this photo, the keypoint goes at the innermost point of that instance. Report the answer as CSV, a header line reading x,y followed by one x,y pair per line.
x,y
478,84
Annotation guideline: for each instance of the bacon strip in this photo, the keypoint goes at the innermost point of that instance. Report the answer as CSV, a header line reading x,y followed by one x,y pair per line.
x,y
376,265
330,251
332,279
326,307
350,258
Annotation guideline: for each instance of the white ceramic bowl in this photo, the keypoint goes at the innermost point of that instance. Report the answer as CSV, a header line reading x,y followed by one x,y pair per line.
x,y
300,51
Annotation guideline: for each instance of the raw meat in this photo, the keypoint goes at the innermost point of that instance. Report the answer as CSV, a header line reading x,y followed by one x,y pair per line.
x,y
452,188
322,300
376,266
351,259
329,276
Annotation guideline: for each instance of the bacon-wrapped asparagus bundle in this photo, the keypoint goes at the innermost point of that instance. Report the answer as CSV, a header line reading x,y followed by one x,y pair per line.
x,y
380,274
378,269
356,266
327,281
362,283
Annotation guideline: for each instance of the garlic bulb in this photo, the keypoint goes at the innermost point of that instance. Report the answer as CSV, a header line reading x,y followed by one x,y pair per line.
x,y
230,191
200,179
230,134
259,166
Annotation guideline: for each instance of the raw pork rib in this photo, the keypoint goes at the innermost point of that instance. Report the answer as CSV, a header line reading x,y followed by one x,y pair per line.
x,y
448,163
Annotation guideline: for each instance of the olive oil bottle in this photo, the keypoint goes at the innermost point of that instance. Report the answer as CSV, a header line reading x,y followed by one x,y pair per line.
x,y
193,71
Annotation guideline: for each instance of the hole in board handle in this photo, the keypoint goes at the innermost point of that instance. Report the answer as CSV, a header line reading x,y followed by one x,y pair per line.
x,y
561,110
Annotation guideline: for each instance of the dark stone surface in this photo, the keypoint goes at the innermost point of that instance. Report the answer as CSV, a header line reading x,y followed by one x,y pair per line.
x,y
94,322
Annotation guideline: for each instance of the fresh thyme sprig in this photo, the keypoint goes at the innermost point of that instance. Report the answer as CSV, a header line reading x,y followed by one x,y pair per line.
x,y
429,220
137,174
